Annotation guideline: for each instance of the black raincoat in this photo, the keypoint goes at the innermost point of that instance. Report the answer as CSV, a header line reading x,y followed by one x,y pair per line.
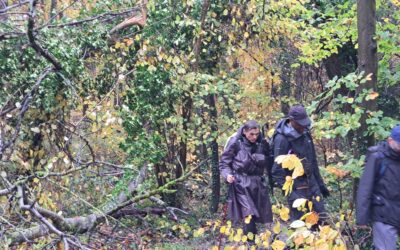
x,y
248,194
287,140
378,197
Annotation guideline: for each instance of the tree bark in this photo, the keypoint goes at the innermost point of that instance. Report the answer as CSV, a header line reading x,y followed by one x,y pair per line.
x,y
216,185
367,62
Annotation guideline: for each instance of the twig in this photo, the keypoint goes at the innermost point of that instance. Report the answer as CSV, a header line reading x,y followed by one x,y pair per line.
x,y
31,37
4,10
24,107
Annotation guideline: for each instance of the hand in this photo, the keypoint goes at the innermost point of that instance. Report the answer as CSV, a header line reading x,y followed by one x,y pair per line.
x,y
325,192
230,178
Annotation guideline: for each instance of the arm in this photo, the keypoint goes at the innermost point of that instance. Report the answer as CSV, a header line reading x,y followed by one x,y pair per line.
x,y
225,164
281,147
365,191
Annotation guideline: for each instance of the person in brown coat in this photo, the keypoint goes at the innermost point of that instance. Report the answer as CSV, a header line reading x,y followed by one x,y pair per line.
x,y
242,165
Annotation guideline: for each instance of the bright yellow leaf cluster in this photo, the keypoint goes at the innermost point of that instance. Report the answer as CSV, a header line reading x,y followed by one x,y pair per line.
x,y
290,162
288,186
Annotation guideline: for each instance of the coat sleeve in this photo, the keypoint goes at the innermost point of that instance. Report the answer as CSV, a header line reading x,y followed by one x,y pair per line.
x,y
365,191
225,164
281,147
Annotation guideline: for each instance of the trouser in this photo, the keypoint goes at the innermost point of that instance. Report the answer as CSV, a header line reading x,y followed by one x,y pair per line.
x,y
384,236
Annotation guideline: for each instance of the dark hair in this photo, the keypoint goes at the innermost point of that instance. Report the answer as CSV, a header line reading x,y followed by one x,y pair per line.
x,y
252,124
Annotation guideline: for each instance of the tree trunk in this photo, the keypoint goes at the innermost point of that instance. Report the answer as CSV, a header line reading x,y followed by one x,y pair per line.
x,y
216,185
367,62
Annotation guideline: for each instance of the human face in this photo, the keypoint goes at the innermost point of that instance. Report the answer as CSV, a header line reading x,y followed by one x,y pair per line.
x,y
297,126
394,145
252,134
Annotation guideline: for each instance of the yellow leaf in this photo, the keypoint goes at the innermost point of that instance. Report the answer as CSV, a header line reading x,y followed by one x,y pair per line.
x,y
310,205
288,185
246,35
215,248
222,229
298,171
227,231
338,173
298,240
277,228
369,77
35,180
271,132
372,96
244,238
289,161
247,219
118,45
250,236
284,213
237,238
200,232
312,218
278,245
318,198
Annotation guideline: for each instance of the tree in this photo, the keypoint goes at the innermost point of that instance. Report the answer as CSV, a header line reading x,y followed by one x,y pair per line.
x,y
367,62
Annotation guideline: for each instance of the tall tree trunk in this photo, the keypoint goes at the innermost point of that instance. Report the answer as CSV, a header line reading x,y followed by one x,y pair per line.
x,y
367,61
216,184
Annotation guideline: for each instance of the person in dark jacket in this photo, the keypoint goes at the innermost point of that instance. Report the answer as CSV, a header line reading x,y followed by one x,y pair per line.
x,y
378,197
242,165
291,136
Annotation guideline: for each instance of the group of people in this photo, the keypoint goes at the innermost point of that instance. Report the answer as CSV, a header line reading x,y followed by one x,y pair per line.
x,y
248,155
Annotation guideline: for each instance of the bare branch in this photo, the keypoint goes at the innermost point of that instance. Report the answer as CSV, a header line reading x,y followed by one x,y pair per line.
x,y
7,191
91,19
4,10
135,20
34,212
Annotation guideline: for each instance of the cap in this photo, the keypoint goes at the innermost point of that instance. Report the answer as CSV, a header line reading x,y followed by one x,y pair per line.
x,y
395,134
299,115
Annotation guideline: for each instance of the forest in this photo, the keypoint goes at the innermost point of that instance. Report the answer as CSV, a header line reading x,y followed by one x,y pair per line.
x,y
114,115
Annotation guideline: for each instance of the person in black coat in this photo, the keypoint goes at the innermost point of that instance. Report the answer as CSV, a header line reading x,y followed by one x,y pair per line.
x,y
242,165
378,196
291,136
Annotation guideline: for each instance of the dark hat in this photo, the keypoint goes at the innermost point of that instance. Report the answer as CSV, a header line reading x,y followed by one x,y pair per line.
x,y
395,134
299,115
